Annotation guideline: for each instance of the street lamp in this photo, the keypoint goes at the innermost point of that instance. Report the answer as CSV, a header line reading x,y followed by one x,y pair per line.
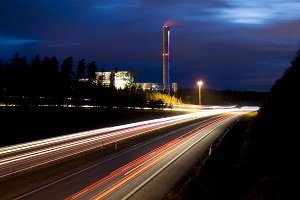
x,y
200,83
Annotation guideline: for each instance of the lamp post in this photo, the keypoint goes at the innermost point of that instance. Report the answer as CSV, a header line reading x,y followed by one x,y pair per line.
x,y
200,83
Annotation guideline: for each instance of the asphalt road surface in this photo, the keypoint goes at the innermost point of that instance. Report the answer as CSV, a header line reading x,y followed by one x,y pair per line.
x,y
21,157
145,171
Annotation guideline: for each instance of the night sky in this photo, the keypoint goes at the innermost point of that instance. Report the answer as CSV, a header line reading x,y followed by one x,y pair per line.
x,y
230,44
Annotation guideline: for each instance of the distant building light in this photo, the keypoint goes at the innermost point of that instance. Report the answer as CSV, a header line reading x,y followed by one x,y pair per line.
x,y
174,87
121,78
148,86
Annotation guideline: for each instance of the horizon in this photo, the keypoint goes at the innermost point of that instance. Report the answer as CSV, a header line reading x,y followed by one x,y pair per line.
x,y
123,69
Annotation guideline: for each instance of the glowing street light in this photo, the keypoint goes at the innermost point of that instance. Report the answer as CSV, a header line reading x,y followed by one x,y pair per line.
x,y
200,83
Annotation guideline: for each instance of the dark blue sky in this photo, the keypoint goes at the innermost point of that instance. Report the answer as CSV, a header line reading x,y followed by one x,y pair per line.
x,y
230,44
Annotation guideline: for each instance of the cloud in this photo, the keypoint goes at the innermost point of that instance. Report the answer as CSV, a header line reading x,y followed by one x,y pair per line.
x,y
115,5
259,11
8,41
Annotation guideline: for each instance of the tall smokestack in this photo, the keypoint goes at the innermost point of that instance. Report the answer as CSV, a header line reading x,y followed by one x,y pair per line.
x,y
166,58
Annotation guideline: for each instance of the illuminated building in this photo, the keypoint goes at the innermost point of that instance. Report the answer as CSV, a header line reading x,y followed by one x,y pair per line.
x,y
148,86
120,78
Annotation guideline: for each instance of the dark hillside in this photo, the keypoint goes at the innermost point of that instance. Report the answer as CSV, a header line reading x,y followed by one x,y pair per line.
x,y
275,137
258,157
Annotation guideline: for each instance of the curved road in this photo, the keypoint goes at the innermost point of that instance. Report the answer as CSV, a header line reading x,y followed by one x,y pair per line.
x,y
18,158
147,170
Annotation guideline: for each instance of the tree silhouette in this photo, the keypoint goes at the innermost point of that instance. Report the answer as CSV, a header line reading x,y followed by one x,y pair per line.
x,y
274,139
100,78
36,65
41,83
91,71
66,68
53,70
81,69
19,64
112,78
45,68
19,75
283,97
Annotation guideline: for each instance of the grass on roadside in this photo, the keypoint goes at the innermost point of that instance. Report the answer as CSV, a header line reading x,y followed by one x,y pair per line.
x,y
212,177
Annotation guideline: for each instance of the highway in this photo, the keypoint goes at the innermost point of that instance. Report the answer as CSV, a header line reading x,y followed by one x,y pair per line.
x,y
21,157
132,172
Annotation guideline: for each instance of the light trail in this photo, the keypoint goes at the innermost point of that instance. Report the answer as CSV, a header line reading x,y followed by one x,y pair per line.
x,y
133,169
50,141
54,140
55,151
18,158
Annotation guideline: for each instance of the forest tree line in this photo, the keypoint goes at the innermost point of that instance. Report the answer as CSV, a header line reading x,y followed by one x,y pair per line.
x,y
44,81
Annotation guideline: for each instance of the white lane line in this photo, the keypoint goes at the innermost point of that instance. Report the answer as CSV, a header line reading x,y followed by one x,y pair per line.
x,y
169,163
83,170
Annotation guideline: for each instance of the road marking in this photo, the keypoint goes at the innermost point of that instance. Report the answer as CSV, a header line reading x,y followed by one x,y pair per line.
x,y
170,162
102,162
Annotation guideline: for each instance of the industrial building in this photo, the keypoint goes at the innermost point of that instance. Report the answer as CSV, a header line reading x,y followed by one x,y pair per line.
x,y
119,79
149,86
